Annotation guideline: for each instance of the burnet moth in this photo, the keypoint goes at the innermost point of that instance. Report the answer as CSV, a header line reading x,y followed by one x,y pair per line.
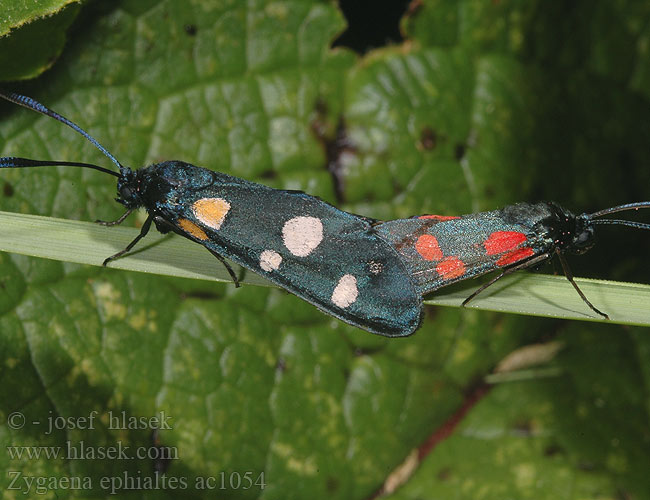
x,y
368,273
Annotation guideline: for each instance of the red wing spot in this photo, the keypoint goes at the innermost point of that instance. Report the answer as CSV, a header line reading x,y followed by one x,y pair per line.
x,y
515,256
450,268
503,241
439,218
428,248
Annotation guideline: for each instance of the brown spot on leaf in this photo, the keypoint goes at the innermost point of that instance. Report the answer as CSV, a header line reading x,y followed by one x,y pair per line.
x,y
428,139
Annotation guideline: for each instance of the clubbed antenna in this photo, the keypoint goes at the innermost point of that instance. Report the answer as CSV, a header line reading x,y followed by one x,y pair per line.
x,y
30,103
621,208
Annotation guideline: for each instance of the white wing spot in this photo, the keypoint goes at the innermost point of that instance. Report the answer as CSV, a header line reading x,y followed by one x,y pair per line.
x,y
302,234
270,260
346,291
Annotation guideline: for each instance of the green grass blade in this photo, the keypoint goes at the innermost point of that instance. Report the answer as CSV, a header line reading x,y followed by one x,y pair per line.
x,y
553,296
90,243
523,293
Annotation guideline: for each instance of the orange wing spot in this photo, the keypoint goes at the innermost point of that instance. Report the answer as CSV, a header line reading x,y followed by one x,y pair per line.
x,y
211,211
515,256
439,217
503,241
450,268
428,248
191,228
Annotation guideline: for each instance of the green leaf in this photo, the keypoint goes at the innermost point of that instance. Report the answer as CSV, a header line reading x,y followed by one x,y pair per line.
x,y
17,14
580,434
487,103
38,37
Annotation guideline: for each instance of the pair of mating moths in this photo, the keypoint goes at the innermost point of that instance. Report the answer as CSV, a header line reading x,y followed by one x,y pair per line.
x,y
369,273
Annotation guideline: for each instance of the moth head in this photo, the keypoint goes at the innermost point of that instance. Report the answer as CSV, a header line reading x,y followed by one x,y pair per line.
x,y
128,188
583,235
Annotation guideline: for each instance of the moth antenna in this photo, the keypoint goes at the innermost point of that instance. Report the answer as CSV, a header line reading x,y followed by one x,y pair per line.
x,y
30,103
14,162
629,223
620,208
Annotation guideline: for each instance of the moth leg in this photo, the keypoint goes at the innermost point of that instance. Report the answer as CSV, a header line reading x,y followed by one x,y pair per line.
x,y
506,271
118,221
228,268
569,276
143,232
